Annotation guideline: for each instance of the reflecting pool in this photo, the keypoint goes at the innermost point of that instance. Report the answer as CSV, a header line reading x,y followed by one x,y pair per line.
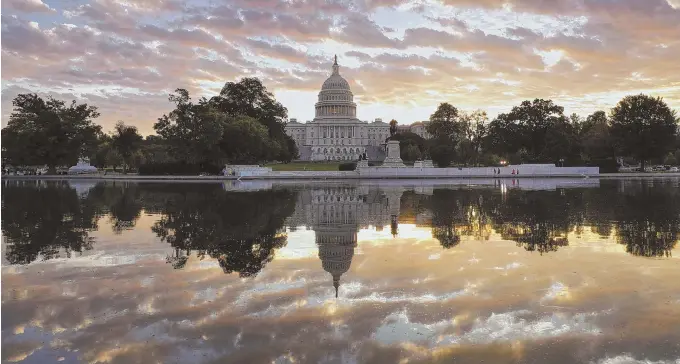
x,y
495,271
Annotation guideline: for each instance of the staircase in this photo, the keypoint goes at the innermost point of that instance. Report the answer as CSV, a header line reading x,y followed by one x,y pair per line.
x,y
375,153
305,153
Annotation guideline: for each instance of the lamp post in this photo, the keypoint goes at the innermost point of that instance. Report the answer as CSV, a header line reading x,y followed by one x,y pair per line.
x,y
561,162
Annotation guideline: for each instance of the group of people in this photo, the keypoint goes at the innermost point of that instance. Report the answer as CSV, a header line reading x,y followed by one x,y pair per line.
x,y
498,171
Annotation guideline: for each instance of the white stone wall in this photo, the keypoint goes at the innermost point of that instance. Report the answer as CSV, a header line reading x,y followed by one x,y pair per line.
x,y
505,172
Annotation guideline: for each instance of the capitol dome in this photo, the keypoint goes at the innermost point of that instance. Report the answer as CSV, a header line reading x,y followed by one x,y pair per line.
x,y
335,98
335,81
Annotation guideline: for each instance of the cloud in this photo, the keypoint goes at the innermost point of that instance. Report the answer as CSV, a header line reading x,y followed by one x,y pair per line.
x,y
27,6
490,53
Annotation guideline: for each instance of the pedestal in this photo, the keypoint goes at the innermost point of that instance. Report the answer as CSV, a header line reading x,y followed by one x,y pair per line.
x,y
362,164
393,159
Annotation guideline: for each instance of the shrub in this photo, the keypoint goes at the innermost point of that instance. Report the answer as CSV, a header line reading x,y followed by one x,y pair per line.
x,y
607,165
442,154
178,168
347,166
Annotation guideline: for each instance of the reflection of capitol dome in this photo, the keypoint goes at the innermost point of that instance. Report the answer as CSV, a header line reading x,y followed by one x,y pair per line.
x,y
336,250
336,213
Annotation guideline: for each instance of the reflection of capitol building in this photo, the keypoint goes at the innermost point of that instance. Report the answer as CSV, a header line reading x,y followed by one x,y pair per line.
x,y
336,214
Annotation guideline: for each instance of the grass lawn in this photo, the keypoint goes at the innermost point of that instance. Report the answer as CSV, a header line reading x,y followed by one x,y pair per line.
x,y
304,166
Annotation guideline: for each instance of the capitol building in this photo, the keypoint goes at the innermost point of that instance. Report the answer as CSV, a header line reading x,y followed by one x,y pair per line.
x,y
335,133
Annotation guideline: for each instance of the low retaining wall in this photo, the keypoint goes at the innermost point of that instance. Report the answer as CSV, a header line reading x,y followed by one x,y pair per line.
x,y
520,171
365,173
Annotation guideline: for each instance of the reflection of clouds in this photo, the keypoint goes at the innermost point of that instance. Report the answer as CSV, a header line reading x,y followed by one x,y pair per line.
x,y
629,359
556,292
509,326
395,303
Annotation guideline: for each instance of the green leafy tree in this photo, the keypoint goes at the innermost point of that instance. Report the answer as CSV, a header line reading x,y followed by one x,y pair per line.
x,y
193,132
411,153
444,123
407,140
561,142
48,132
127,141
670,159
526,127
393,127
246,141
442,152
155,149
474,126
249,97
596,140
643,127
99,157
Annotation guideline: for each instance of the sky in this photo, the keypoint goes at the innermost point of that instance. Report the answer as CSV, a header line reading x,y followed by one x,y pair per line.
x,y
401,57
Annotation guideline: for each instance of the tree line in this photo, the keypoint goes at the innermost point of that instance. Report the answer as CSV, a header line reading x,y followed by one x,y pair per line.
x,y
244,124
639,127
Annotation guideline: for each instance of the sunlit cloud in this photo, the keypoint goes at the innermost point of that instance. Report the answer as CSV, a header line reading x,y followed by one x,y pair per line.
x,y
402,58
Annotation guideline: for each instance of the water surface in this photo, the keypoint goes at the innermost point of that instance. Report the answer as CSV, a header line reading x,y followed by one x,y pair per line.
x,y
500,271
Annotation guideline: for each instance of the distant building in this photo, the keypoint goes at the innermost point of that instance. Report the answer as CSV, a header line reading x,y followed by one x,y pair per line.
x,y
418,128
336,133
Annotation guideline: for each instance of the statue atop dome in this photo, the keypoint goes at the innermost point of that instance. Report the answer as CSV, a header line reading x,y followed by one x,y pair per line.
x,y
336,67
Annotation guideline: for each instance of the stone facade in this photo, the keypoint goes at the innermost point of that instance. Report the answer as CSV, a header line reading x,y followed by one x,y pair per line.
x,y
336,133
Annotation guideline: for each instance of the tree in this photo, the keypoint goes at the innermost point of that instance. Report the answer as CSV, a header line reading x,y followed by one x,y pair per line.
x,y
670,159
49,132
127,141
561,142
475,129
411,153
643,127
407,140
246,141
249,97
444,123
99,157
193,132
526,127
154,149
596,118
596,141
393,127
442,152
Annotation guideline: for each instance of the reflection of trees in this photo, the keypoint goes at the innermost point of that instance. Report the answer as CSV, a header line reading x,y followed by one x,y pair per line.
x,y
40,218
240,230
538,220
644,215
648,223
457,213
126,208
